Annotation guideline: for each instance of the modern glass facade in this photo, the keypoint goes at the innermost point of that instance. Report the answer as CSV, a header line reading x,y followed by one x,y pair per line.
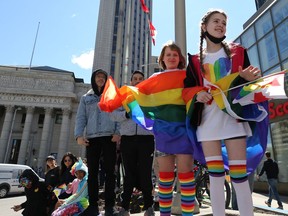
x,y
266,39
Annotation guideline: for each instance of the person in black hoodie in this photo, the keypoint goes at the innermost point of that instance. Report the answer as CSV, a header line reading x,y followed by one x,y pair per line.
x,y
99,134
36,193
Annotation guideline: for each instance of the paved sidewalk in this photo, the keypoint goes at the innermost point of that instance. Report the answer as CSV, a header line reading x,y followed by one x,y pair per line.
x,y
260,208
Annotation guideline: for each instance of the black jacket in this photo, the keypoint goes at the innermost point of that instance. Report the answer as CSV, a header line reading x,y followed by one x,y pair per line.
x,y
37,196
271,169
52,177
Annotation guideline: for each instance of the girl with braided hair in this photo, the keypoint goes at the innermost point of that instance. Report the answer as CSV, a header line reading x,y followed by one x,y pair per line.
x,y
212,124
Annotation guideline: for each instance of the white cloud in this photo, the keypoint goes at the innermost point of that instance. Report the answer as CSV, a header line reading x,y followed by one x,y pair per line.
x,y
85,60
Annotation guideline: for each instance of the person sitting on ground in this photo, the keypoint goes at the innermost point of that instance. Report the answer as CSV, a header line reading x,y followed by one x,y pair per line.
x,y
66,178
78,202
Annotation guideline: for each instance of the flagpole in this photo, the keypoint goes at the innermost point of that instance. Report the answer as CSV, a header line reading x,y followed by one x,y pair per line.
x,y
34,47
250,82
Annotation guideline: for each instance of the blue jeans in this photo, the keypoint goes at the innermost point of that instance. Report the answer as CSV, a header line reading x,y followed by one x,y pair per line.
x,y
273,190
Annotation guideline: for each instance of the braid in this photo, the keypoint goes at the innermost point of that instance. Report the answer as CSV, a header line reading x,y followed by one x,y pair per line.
x,y
226,49
201,52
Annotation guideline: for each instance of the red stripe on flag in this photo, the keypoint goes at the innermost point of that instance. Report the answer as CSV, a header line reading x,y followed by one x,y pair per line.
x,y
153,32
144,7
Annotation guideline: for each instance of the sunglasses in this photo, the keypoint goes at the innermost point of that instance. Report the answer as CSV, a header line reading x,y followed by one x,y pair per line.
x,y
24,182
67,160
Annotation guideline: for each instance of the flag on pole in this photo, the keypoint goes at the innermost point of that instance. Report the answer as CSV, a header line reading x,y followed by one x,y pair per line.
x,y
144,7
153,32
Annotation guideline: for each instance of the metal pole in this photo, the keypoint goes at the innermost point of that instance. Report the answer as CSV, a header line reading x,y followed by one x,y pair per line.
x,y
10,134
34,47
180,25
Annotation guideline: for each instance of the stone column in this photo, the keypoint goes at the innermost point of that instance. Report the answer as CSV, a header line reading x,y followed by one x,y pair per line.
x,y
5,131
22,158
44,138
64,134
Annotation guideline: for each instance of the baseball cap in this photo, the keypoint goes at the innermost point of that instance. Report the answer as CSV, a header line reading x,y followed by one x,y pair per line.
x,y
50,157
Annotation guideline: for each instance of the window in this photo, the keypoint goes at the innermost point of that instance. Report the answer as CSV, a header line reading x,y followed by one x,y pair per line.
x,y
263,25
41,119
279,132
280,11
268,52
253,56
23,118
285,66
273,70
282,37
248,38
58,118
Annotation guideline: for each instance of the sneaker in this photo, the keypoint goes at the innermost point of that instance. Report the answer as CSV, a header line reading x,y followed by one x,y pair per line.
x,y
149,212
111,211
268,204
123,212
90,211
280,207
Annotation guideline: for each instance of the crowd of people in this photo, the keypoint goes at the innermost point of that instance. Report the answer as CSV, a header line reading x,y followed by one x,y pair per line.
x,y
188,124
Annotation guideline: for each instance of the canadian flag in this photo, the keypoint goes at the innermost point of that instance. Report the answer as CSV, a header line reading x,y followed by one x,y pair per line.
x,y
153,32
144,7
266,88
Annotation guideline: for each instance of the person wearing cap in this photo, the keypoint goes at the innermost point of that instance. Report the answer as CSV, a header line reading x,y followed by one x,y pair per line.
x,y
52,175
99,134
137,151
52,179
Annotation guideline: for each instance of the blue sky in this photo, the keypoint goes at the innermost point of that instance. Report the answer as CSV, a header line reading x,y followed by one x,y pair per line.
x,y
67,31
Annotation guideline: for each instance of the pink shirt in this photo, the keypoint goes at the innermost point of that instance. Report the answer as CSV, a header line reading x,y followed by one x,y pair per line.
x,y
73,187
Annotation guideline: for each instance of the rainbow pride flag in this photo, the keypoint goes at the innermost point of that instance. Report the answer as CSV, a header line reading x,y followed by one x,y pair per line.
x,y
161,104
60,189
156,104
241,101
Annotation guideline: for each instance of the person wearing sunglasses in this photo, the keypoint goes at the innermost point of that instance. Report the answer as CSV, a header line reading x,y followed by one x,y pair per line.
x,y
36,194
66,178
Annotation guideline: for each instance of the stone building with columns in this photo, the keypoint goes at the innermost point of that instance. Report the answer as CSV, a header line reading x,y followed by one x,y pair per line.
x,y
37,114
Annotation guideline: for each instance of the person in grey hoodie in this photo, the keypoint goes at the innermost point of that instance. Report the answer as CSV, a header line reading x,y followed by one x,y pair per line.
x,y
137,151
99,134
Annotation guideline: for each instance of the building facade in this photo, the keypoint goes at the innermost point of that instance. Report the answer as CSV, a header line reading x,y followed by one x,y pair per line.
x,y
265,36
123,42
37,114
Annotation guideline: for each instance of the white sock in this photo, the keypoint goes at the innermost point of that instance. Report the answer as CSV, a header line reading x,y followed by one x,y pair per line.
x,y
244,198
217,195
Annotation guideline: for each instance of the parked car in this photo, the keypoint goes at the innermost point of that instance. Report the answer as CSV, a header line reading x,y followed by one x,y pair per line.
x,y
9,178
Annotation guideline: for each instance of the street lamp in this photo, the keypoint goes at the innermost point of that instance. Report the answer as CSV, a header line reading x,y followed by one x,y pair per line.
x,y
10,133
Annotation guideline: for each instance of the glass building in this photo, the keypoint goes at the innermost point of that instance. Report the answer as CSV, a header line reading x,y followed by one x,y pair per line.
x,y
265,36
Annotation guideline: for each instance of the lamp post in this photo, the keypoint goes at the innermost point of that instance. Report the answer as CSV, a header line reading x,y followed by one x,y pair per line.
x,y
10,134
